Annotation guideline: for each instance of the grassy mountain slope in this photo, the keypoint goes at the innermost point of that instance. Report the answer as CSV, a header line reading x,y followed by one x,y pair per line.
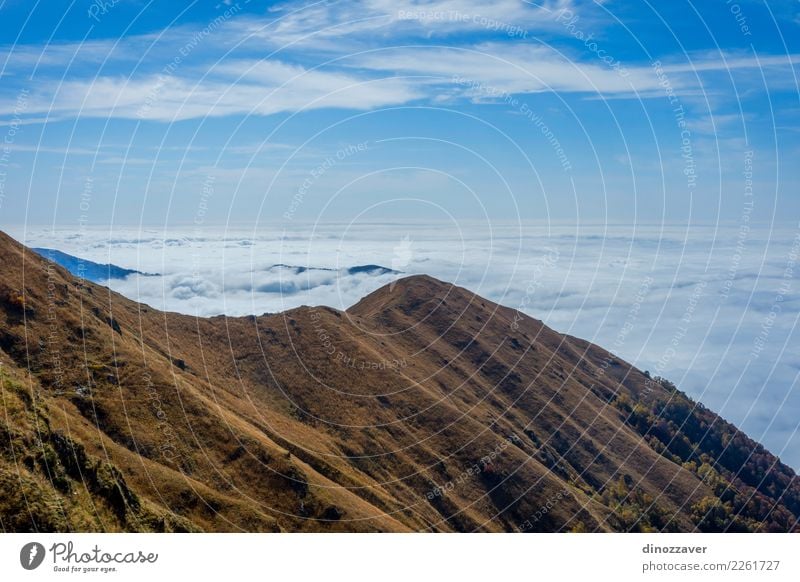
x,y
422,408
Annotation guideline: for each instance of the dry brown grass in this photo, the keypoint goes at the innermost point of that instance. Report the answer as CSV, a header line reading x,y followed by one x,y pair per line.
x,y
252,424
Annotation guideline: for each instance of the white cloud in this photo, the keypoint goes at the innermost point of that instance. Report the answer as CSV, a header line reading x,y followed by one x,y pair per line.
x,y
244,65
264,89
526,69
326,26
722,61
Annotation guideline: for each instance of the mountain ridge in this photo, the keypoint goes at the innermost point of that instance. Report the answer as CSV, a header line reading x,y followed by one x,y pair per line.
x,y
86,269
423,407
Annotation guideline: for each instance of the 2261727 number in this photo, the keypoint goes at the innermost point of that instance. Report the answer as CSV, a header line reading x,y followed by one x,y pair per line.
x,y
753,565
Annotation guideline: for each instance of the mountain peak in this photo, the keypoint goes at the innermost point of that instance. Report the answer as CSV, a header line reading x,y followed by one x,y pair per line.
x,y
408,293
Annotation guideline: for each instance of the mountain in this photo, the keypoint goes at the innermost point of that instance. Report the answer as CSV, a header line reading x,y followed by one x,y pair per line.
x,y
86,269
357,270
424,407
289,280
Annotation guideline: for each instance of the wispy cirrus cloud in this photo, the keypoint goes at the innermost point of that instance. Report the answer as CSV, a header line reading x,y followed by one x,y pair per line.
x,y
279,88
366,80
324,26
347,55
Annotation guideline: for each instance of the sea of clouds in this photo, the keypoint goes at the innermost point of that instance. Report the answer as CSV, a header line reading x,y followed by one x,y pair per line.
x,y
713,308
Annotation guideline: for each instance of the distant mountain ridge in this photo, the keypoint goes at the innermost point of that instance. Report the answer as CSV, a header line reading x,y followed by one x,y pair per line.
x,y
358,269
423,407
101,272
86,269
290,286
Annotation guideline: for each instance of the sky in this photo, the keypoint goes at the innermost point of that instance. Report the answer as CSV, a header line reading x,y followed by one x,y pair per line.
x,y
150,113
624,171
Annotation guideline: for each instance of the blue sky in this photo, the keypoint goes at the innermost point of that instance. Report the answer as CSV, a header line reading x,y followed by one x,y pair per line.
x,y
135,112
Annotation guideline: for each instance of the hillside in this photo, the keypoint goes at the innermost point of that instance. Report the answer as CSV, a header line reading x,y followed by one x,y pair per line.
x,y
422,408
